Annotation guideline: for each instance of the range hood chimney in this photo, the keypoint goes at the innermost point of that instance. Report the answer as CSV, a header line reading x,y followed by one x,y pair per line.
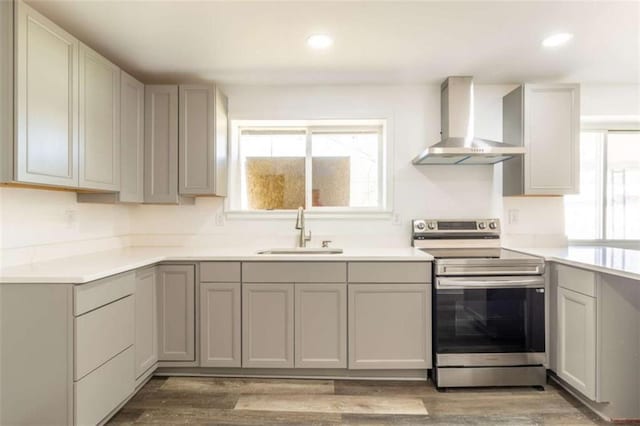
x,y
458,144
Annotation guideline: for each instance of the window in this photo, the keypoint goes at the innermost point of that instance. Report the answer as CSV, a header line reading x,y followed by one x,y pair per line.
x,y
330,167
608,206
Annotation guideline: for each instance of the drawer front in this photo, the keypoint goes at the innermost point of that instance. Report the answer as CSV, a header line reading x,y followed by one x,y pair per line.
x,y
578,280
390,272
103,333
99,293
104,389
220,272
294,272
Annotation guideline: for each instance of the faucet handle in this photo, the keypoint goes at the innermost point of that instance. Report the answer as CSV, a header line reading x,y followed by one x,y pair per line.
x,y
308,236
325,243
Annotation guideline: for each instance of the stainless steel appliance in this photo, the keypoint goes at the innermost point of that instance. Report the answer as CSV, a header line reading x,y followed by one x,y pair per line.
x,y
458,144
488,306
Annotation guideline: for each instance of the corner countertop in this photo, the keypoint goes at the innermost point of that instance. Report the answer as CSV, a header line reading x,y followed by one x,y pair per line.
x,y
609,260
94,266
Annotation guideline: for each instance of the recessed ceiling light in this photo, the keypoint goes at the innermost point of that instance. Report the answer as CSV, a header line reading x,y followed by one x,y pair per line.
x,y
557,39
319,41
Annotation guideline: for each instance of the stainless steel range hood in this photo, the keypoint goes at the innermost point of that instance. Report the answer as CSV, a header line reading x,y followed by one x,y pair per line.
x,y
458,145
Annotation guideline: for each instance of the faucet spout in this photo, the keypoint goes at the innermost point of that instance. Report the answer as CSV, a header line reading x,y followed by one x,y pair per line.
x,y
303,237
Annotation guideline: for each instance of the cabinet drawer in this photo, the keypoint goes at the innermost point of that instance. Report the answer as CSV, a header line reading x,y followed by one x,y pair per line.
x,y
104,389
575,279
99,293
390,272
103,333
294,272
220,272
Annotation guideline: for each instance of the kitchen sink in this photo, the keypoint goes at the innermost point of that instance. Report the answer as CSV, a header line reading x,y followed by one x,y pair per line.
x,y
302,250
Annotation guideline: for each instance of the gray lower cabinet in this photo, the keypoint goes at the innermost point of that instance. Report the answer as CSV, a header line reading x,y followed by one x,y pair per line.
x,y
389,326
146,309
220,319
99,123
267,325
161,144
176,313
320,325
576,334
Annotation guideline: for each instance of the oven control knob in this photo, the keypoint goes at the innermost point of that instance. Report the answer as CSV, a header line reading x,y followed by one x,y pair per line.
x,y
493,225
431,226
482,225
420,225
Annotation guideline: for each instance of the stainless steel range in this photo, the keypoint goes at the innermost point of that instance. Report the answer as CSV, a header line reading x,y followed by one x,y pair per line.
x,y
488,306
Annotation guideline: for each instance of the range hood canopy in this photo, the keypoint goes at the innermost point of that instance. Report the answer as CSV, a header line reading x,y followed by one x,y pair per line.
x,y
458,144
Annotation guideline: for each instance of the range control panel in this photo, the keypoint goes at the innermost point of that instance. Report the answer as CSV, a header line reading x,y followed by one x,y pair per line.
x,y
438,226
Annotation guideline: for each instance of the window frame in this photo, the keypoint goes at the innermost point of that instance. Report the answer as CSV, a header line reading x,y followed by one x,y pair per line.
x,y
233,202
606,128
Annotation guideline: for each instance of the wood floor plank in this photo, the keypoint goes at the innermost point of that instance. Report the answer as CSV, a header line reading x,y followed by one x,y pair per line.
x,y
332,404
216,385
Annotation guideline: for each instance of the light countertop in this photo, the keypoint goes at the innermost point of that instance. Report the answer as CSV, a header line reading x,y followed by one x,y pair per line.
x,y
90,267
609,260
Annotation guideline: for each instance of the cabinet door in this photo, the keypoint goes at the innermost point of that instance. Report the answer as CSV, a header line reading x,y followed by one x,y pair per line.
x,y
131,139
46,101
389,326
220,325
551,136
576,336
267,325
197,139
176,313
320,326
146,342
99,124
161,144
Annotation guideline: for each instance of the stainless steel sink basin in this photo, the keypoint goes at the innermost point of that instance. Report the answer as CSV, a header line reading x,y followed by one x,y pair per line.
x,y
302,250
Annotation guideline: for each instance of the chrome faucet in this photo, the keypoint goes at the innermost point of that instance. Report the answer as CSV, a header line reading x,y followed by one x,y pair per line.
x,y
304,237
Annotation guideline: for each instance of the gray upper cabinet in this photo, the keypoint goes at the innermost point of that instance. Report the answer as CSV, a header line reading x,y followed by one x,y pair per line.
x,y
131,139
46,91
99,123
545,119
131,147
6,91
161,144
202,140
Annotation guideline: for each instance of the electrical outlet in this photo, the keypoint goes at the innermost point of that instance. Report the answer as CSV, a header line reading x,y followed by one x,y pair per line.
x,y
513,216
397,220
220,219
71,217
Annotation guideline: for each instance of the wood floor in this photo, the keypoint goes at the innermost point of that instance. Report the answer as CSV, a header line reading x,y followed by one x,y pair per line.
x,y
222,401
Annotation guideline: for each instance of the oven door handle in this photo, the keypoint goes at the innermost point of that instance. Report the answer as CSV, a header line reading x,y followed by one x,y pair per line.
x,y
469,283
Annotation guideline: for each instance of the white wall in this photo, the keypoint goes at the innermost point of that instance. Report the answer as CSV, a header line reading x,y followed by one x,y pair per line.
x,y
43,224
413,113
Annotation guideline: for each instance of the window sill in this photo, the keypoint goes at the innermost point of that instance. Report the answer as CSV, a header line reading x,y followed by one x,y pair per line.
x,y
309,214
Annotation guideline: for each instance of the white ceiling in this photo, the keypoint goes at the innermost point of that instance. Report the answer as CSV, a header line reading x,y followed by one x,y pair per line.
x,y
375,42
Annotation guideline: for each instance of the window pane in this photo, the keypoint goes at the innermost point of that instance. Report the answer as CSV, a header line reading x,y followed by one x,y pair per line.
x,y
623,185
273,172
345,169
583,220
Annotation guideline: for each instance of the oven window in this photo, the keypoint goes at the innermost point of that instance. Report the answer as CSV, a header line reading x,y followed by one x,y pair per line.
x,y
505,320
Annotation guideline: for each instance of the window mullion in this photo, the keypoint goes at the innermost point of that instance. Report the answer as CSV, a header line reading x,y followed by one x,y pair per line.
x,y
604,210
308,196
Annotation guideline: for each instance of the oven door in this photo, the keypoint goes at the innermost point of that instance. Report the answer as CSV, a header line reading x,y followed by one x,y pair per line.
x,y
487,316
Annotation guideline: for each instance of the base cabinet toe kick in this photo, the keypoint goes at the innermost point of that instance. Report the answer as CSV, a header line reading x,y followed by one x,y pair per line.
x,y
74,354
